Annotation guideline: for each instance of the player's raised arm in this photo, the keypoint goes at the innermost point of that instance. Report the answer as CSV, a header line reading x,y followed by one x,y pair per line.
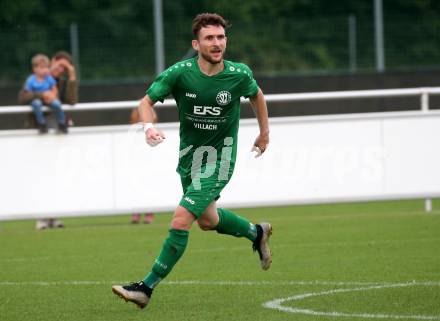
x,y
153,136
258,103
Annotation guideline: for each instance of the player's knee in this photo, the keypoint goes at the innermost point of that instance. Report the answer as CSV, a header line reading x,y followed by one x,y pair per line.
x,y
205,224
205,227
180,224
182,219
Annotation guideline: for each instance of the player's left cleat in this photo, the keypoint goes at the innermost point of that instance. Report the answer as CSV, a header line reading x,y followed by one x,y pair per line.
x,y
261,244
138,293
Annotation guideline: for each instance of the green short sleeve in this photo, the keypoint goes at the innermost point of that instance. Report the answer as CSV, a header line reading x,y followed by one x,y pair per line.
x,y
162,85
250,87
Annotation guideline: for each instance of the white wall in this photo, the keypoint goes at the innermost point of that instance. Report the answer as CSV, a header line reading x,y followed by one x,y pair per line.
x,y
110,170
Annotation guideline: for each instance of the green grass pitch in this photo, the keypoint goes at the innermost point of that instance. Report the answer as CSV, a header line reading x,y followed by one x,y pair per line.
x,y
362,261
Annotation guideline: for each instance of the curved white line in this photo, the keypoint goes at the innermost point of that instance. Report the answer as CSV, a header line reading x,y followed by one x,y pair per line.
x,y
277,303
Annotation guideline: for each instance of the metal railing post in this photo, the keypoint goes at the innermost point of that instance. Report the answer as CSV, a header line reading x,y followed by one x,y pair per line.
x,y
159,36
424,100
352,53
428,205
74,48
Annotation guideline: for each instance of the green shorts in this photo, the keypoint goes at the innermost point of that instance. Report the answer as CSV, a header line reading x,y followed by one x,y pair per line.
x,y
197,197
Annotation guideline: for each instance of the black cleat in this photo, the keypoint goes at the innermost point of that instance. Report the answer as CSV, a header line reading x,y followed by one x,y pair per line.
x,y
138,293
261,244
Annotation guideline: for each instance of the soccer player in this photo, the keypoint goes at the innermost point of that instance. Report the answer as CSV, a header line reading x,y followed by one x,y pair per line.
x,y
207,90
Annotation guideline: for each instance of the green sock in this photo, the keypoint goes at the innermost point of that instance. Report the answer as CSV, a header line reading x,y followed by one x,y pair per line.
x,y
232,224
172,250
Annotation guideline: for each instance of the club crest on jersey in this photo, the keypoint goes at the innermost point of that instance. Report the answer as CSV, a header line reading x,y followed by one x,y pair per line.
x,y
223,98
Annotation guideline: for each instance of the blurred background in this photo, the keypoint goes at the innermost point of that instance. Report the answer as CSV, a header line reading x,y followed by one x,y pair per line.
x,y
115,41
291,45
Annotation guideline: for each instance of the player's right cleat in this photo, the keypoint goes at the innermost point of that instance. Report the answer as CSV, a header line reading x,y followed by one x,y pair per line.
x,y
261,244
138,293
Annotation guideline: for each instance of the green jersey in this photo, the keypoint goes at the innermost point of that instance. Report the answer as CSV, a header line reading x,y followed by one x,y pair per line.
x,y
209,111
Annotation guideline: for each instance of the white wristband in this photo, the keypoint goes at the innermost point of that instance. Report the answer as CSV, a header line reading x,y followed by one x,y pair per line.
x,y
147,126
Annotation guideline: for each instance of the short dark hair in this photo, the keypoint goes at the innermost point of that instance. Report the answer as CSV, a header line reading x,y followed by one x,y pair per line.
x,y
63,55
207,19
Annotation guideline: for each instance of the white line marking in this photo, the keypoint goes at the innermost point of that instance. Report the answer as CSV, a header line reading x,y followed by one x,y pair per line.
x,y
277,303
26,259
274,304
52,283
223,283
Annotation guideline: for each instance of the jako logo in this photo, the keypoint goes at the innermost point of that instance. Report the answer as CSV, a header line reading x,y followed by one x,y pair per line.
x,y
191,95
210,110
162,265
189,200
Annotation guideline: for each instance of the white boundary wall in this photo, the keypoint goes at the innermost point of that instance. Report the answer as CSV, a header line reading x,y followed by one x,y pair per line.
x,y
110,170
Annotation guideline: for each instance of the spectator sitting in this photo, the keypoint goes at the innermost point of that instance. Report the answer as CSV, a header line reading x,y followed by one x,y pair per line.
x,y
43,87
63,71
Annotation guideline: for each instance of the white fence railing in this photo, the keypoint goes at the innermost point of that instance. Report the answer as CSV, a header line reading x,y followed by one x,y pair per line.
x,y
423,93
312,159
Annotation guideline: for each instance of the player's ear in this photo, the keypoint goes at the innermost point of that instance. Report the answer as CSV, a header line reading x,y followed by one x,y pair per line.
x,y
195,44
